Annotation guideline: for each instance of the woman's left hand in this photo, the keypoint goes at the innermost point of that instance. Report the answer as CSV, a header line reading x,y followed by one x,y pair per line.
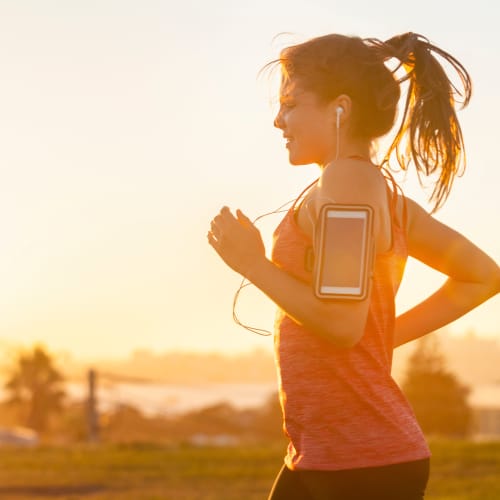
x,y
237,241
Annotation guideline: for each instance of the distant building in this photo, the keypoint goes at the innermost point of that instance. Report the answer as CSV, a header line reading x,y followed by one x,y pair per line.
x,y
485,403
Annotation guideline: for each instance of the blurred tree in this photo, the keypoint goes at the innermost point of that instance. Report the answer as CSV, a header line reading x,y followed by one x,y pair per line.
x,y
268,421
438,398
35,385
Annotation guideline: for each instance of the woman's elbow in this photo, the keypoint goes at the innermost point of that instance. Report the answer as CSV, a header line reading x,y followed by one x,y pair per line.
x,y
349,342
491,282
495,284
344,338
344,327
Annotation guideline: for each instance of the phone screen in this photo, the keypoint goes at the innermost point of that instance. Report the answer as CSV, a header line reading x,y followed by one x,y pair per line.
x,y
343,253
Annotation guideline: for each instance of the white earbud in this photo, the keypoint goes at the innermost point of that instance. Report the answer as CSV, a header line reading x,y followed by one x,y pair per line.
x,y
339,111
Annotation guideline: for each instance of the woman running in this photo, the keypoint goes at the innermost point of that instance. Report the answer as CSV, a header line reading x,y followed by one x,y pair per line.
x,y
352,433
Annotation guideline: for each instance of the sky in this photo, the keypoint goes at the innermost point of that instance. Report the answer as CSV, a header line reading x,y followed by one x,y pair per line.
x,y
126,125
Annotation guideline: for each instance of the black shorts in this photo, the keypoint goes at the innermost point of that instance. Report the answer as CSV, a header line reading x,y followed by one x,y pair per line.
x,y
404,481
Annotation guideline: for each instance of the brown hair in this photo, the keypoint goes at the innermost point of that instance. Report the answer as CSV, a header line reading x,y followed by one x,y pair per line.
x,y
429,133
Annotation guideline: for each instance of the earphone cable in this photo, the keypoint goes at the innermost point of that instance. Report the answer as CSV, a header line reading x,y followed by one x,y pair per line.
x,y
245,283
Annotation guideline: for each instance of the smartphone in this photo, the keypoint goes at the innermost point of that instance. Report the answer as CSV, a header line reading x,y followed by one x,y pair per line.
x,y
344,251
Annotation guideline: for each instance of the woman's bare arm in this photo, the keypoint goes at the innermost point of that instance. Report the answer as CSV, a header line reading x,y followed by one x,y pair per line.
x,y
473,277
238,243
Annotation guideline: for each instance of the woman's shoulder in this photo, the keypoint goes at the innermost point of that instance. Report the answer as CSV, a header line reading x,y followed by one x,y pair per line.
x,y
353,181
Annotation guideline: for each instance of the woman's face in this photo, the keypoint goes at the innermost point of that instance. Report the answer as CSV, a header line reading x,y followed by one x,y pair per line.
x,y
307,125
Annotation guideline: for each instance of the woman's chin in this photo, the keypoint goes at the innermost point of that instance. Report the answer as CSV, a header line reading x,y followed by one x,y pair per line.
x,y
297,161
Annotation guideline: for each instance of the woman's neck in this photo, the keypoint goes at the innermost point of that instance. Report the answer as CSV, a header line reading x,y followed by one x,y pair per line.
x,y
353,151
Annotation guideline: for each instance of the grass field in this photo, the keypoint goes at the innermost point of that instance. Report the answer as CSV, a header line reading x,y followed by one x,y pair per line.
x,y
460,471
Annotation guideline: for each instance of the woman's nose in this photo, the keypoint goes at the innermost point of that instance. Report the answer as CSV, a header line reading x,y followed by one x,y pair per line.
x,y
278,122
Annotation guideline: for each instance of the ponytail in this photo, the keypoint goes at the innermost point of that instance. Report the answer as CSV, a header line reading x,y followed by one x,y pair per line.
x,y
429,133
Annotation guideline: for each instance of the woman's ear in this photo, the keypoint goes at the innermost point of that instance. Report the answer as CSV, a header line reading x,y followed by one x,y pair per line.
x,y
340,109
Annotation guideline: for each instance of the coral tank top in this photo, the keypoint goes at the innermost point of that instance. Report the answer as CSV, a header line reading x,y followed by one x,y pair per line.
x,y
341,407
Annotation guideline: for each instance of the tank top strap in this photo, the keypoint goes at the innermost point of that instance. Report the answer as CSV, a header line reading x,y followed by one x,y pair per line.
x,y
301,195
393,190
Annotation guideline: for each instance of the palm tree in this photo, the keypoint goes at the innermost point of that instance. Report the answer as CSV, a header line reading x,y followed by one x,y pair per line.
x,y
36,386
